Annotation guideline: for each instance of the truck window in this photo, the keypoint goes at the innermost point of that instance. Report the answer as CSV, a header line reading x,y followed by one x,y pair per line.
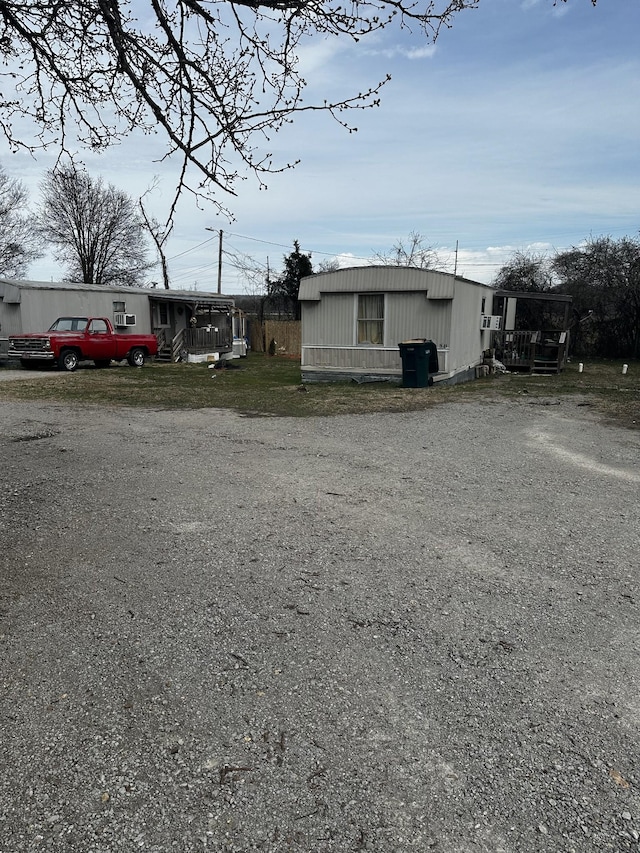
x,y
69,324
98,326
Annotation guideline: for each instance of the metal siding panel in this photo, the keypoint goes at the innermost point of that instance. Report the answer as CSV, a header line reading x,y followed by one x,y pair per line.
x,y
10,319
412,315
467,340
450,323
9,293
453,324
438,328
369,358
41,307
40,303
330,322
309,322
340,321
406,316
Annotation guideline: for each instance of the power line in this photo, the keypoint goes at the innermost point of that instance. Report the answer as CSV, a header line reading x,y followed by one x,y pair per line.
x,y
285,246
189,273
192,249
232,261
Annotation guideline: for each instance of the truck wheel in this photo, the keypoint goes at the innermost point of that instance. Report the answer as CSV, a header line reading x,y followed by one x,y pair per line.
x,y
102,362
68,360
137,357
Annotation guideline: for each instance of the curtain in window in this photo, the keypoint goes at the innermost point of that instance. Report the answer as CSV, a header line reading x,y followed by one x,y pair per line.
x,y
371,319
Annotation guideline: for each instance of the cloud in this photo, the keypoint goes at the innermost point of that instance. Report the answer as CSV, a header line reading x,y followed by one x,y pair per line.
x,y
517,134
425,51
348,259
558,9
319,55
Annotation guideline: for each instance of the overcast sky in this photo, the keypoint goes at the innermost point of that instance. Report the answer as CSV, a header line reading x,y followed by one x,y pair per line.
x,y
519,130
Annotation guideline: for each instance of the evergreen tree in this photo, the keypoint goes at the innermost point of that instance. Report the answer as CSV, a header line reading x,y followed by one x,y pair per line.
x,y
297,265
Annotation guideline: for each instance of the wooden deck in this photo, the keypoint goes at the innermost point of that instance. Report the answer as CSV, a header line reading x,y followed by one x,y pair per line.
x,y
531,351
193,341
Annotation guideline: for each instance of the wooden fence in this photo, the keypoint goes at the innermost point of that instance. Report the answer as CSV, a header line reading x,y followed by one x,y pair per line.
x,y
285,333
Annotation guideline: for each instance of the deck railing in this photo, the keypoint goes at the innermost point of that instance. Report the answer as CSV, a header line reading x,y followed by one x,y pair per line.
x,y
207,339
198,340
161,337
177,346
534,350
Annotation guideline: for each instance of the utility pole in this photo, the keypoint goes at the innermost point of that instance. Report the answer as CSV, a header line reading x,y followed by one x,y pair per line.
x,y
219,256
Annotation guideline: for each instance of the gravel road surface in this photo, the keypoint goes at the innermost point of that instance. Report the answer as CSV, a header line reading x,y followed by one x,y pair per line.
x,y
10,374
379,633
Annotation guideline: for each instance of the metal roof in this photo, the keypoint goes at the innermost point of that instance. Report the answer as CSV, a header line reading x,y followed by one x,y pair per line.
x,y
542,295
191,297
382,278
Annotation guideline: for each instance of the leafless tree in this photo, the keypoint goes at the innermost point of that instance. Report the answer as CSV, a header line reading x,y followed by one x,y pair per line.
x,y
413,253
159,233
19,242
253,272
328,265
95,229
603,276
528,271
216,78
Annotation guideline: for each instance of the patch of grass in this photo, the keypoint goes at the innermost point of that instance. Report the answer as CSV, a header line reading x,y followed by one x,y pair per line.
x,y
270,386
601,385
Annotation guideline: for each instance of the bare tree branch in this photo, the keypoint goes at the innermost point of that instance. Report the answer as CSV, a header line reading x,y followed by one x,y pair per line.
x,y
216,78
158,233
19,242
413,253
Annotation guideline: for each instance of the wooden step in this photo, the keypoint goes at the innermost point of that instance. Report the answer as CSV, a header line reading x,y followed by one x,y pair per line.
x,y
545,366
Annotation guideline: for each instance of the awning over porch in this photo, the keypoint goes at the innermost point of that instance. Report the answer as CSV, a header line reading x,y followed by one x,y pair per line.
x,y
215,302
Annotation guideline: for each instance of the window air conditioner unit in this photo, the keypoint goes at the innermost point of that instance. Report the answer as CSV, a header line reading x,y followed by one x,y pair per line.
x,y
492,322
122,319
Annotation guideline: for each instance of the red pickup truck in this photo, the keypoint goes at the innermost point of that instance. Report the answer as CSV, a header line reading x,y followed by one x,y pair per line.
x,y
73,339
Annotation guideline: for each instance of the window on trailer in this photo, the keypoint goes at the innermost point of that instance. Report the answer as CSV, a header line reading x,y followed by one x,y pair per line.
x,y
371,318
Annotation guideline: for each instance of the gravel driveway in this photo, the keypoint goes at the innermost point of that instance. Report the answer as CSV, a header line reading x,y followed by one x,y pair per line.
x,y
10,374
386,632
